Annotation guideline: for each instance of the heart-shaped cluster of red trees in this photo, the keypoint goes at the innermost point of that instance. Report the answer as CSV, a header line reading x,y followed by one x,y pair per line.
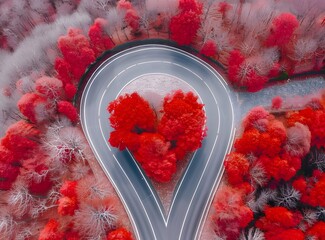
x,y
158,138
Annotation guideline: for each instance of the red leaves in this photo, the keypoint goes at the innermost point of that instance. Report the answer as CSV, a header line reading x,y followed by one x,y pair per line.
x,y
231,213
68,202
119,234
131,113
184,26
43,185
209,48
183,122
77,55
51,231
66,108
21,139
317,231
156,159
236,166
241,74
278,218
236,59
283,27
8,174
157,145
100,41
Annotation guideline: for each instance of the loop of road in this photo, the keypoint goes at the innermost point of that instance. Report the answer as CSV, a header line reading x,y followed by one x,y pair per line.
x,y
195,189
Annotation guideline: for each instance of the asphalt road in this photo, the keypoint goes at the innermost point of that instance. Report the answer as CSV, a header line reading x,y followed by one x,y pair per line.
x,y
194,192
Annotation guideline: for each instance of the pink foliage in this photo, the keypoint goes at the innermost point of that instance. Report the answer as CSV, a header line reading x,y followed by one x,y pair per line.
x,y
231,213
283,27
34,107
49,87
256,118
124,5
132,18
298,142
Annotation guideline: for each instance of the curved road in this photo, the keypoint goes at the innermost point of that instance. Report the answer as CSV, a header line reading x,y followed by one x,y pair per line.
x,y
193,193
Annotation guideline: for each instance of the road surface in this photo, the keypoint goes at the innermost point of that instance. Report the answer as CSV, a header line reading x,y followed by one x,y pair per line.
x,y
195,189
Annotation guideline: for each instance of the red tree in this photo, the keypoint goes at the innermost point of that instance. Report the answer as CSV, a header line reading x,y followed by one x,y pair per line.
x,y
77,55
34,107
283,27
183,122
100,41
184,26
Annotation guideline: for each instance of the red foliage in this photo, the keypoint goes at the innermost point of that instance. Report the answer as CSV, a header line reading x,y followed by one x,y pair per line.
x,y
277,219
51,231
184,26
254,82
277,102
21,139
157,148
248,143
67,205
290,234
34,107
314,193
119,234
42,186
66,108
317,231
70,90
209,48
256,118
236,59
300,184
63,69
7,156
131,113
155,157
100,41
236,167
122,139
183,122
68,188
8,174
275,70
190,5
283,27
223,8
132,19
49,87
76,51
231,213
279,167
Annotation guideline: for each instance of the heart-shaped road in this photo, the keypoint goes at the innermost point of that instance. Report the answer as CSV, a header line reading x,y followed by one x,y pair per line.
x,y
195,189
